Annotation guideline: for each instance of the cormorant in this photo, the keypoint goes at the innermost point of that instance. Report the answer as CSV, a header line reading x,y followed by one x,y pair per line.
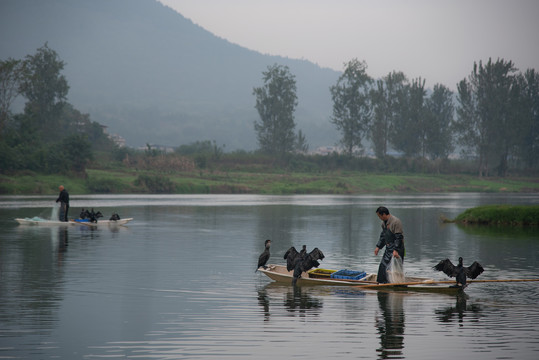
x,y
303,252
264,257
310,261
291,255
460,272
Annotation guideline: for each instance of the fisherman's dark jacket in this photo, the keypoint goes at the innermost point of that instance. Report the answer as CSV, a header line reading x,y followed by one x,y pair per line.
x,y
64,197
392,235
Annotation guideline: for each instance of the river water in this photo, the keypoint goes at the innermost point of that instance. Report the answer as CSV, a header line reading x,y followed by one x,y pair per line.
x,y
179,281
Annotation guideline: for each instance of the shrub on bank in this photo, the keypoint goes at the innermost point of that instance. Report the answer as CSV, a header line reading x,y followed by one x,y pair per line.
x,y
500,215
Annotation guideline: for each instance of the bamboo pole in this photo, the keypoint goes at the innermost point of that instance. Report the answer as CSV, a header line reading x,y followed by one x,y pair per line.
x,y
433,282
502,280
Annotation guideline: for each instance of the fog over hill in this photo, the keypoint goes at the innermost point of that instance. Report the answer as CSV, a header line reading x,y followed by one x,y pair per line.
x,y
153,76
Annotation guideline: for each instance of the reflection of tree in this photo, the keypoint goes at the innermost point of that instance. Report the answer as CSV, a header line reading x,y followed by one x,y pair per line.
x,y
498,231
390,325
447,314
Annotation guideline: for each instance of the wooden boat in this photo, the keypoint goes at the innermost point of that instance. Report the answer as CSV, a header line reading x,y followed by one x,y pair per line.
x,y
44,222
279,273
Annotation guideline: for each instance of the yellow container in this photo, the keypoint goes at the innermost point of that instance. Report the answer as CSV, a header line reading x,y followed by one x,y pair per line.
x,y
320,273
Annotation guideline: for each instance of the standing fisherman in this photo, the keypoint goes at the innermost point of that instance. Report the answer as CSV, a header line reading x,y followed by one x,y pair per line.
x,y
63,198
392,237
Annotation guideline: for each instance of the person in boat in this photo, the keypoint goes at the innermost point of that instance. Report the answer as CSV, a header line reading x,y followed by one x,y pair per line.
x,y
392,237
63,198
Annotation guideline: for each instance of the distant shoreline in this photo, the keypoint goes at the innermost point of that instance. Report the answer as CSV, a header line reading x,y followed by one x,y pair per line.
x,y
270,183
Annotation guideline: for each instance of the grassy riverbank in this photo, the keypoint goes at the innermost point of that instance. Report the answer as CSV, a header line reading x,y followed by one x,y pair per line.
x,y
127,181
500,215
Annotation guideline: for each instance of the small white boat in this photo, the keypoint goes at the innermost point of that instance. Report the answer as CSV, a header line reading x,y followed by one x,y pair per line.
x,y
103,222
279,273
45,222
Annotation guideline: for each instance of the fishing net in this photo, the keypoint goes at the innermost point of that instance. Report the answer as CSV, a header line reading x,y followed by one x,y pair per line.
x,y
395,272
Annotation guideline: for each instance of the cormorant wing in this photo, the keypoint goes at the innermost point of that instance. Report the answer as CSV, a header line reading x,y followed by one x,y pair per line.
x,y
474,270
447,267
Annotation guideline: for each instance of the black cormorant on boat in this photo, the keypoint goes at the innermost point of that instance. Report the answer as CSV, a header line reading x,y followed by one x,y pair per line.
x,y
303,252
264,257
459,272
310,261
291,256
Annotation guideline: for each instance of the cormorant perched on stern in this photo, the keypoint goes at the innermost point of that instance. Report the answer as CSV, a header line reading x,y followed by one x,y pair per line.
x,y
264,257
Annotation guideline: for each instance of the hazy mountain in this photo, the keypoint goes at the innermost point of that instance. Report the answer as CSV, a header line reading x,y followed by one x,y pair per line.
x,y
153,76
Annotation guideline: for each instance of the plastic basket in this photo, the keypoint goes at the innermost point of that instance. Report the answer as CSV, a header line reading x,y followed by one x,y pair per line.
x,y
348,274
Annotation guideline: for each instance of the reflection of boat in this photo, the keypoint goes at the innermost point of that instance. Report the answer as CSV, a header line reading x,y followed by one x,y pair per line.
x,y
44,222
279,273
300,301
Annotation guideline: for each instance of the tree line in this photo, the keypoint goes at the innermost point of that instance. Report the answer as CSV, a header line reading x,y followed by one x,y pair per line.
x,y
50,135
493,118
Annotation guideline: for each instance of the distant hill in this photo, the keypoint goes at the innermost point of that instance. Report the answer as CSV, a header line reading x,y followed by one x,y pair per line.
x,y
152,76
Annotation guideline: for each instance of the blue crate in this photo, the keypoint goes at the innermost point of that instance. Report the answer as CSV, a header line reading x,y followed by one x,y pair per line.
x,y
348,274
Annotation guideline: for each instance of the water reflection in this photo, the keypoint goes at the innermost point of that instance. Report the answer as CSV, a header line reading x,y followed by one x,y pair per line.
x,y
498,231
63,241
296,301
263,301
31,283
299,302
390,325
168,285
458,312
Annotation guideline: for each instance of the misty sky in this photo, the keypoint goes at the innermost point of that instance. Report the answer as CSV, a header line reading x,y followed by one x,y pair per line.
x,y
438,40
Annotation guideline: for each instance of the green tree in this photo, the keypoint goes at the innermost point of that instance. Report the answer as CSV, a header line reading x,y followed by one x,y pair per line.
x,y
385,100
439,119
77,151
486,113
46,90
352,105
276,102
527,124
51,136
11,77
409,133
301,143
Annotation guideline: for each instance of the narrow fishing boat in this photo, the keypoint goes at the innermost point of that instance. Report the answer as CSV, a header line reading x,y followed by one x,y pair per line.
x,y
279,273
45,222
361,280
367,281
